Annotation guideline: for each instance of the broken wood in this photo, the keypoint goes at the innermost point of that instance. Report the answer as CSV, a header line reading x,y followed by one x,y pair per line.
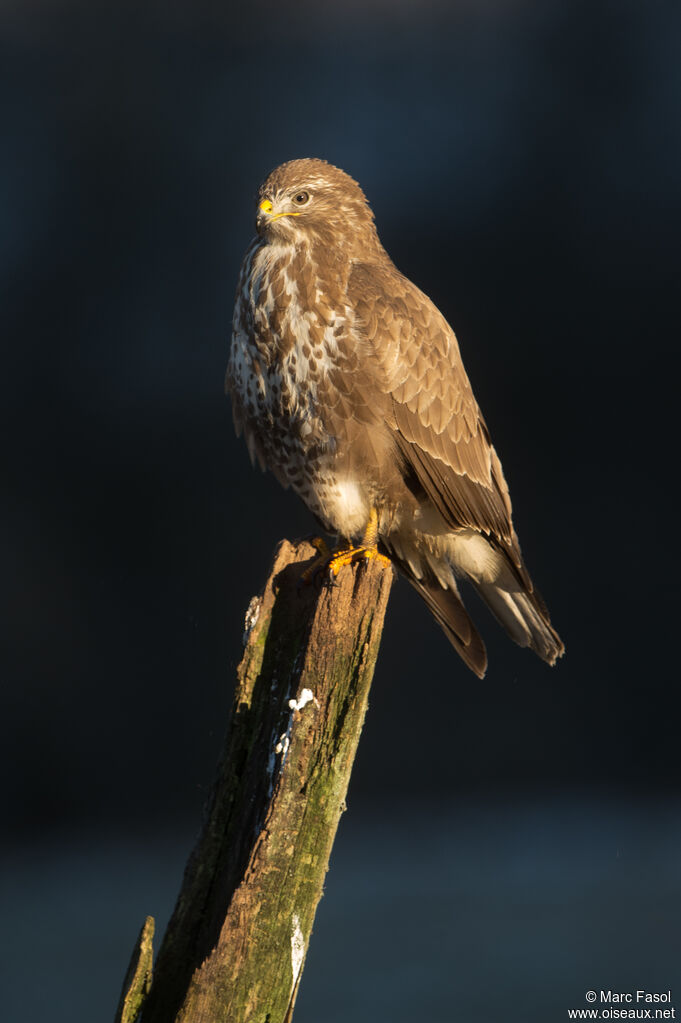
x,y
235,946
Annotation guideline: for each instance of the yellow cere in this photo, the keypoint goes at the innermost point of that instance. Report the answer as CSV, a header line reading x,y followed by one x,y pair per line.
x,y
266,206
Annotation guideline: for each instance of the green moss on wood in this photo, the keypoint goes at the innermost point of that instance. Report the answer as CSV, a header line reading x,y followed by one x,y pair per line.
x,y
138,978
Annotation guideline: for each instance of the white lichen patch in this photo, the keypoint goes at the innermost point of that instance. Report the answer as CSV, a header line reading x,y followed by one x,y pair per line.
x,y
251,619
295,706
297,950
283,744
305,697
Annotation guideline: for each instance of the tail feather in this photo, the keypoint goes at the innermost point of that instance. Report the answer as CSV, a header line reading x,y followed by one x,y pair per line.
x,y
504,586
448,610
523,615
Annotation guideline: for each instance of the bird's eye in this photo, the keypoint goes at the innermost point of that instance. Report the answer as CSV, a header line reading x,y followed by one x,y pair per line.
x,y
301,198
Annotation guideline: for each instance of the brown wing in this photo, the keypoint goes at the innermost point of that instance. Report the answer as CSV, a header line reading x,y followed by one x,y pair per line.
x,y
439,428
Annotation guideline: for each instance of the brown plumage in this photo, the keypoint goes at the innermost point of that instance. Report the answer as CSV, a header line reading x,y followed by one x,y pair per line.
x,y
349,385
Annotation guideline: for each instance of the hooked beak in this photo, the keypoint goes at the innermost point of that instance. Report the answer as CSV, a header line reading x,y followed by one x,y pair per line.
x,y
265,216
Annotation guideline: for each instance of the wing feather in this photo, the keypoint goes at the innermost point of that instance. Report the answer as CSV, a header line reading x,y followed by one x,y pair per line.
x,y
439,428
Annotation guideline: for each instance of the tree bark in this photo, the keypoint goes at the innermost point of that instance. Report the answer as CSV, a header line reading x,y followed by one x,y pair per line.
x,y
236,943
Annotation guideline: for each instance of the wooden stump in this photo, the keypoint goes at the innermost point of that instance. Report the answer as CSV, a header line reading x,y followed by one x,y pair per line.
x,y
235,946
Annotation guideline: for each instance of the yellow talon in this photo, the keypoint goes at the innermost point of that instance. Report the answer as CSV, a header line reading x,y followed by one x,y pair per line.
x,y
321,546
367,549
320,562
354,554
373,552
335,560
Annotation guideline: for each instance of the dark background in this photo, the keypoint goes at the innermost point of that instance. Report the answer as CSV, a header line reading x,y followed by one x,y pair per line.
x,y
523,160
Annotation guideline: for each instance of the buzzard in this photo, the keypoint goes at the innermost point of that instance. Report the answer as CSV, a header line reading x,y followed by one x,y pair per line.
x,y
349,386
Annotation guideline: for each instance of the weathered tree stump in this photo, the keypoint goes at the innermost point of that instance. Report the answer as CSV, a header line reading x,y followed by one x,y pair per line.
x,y
236,943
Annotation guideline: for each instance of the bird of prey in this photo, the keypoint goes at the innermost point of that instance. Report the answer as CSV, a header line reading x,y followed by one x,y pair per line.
x,y
348,384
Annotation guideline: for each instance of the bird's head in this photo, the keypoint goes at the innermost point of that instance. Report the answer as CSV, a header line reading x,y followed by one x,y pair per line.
x,y
313,201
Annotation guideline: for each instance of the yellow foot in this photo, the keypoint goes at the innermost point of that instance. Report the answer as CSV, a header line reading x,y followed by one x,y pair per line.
x,y
321,546
334,560
354,554
320,562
